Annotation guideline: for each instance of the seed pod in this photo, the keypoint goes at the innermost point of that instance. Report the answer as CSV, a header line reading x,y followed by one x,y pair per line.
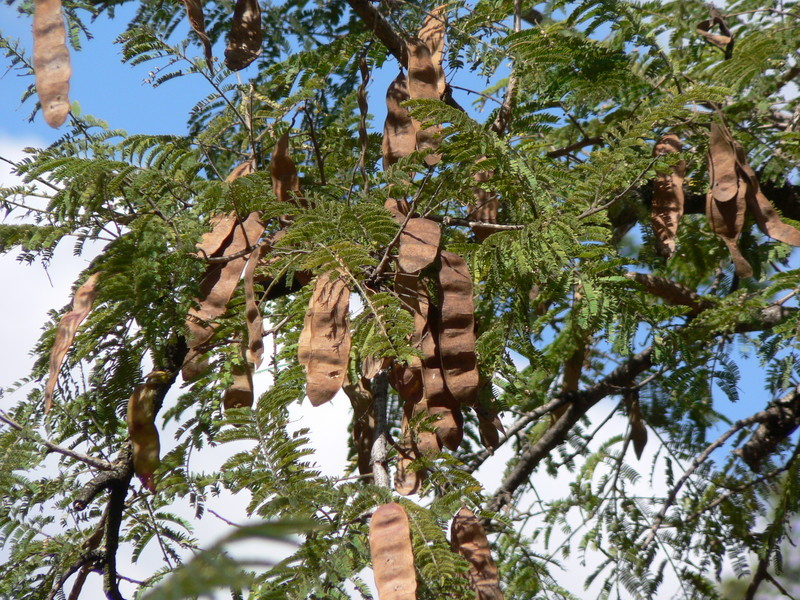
x,y
667,208
218,284
432,33
361,399
240,170
324,345
418,246
285,182
722,164
423,83
65,333
142,429
244,42
468,538
638,431
240,394
723,40
726,220
406,480
457,328
399,135
197,20
392,553
51,61
255,323
485,207
764,213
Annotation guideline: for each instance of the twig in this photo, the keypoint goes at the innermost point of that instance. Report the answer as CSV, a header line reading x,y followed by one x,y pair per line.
x,y
97,463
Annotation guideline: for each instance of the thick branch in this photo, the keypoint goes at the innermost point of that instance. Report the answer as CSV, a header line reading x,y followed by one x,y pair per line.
x,y
380,388
379,26
781,419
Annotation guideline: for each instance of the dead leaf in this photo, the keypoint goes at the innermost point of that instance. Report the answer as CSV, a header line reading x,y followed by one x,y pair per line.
x,y
244,42
51,61
392,553
324,345
667,207
468,538
197,20
65,333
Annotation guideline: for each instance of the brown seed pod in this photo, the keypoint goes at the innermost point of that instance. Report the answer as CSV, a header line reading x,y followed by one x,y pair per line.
x,y
240,170
468,538
726,220
51,61
418,246
423,83
399,135
142,430
361,399
218,284
255,323
722,40
667,207
638,432
457,328
285,182
324,345
197,20
432,33
65,333
244,42
722,164
392,553
240,394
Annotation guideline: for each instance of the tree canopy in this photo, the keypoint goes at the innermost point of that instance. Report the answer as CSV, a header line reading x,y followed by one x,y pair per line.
x,y
572,215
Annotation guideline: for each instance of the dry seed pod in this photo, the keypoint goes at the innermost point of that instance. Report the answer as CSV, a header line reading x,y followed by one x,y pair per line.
x,y
51,61
240,394
324,345
142,429
221,231
240,170
723,40
418,246
722,164
217,288
285,182
468,538
667,208
726,220
423,83
764,213
457,328
65,333
255,323
485,207
399,135
361,399
392,553
638,429
244,43
197,20
432,33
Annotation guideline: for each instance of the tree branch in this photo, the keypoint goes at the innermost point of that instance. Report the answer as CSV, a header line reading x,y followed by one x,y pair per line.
x,y
379,26
780,420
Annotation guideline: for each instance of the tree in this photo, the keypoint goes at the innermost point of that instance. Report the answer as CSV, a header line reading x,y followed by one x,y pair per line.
x,y
520,258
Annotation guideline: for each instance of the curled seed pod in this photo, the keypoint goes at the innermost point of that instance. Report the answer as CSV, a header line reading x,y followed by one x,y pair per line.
x,y
667,208
255,322
324,345
197,20
51,61
65,333
432,34
727,220
361,399
423,83
392,553
244,42
399,135
218,285
468,538
142,430
722,40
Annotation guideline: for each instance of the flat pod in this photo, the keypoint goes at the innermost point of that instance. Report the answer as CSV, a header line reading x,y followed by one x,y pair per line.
x,y
419,245
324,345
197,20
51,61
399,135
254,353
468,538
457,328
392,553
244,42
65,333
142,430
722,40
240,394
722,164
423,83
285,182
432,33
361,399
217,288
726,220
668,199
